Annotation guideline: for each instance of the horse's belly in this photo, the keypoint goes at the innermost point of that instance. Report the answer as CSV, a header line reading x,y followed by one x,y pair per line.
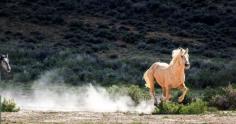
x,y
160,78
174,84
165,80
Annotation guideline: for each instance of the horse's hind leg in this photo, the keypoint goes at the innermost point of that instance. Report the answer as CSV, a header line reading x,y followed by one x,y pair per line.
x,y
152,93
150,81
184,90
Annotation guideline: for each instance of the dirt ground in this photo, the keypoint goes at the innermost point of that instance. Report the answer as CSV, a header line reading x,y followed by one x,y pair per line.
x,y
26,116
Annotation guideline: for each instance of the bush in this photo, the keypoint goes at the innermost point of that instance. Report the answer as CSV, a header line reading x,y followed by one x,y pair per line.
x,y
135,92
132,37
212,74
114,90
223,99
105,33
9,105
168,108
76,24
196,107
210,93
187,99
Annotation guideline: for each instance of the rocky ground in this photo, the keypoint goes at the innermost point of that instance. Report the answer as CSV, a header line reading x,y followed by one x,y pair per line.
x,y
26,116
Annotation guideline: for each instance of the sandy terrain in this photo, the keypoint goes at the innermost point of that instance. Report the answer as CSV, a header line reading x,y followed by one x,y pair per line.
x,y
26,116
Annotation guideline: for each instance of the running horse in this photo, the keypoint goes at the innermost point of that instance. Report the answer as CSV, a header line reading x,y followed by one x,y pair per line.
x,y
4,61
169,76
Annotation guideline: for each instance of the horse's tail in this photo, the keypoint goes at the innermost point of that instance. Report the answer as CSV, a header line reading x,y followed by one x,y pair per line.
x,y
145,77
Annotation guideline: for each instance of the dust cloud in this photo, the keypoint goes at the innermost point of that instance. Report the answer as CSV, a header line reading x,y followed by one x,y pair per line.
x,y
50,93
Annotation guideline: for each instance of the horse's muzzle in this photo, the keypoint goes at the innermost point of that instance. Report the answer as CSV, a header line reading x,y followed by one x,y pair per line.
x,y
187,66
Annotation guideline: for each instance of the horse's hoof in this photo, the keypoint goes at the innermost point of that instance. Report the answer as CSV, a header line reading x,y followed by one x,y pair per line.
x,y
155,104
180,100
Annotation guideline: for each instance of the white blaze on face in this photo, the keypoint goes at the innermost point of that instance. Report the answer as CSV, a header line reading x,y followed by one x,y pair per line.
x,y
187,59
186,56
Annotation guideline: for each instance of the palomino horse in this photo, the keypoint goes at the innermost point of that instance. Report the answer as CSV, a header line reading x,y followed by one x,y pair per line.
x,y
5,63
169,76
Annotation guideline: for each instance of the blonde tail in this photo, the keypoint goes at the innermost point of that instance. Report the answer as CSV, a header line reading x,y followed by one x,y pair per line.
x,y
145,77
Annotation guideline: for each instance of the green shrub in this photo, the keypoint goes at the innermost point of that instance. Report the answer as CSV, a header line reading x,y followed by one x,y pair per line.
x,y
187,99
137,94
197,107
156,111
9,105
115,90
168,108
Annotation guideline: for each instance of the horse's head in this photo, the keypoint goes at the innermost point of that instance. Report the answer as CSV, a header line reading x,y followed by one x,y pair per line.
x,y
185,58
5,63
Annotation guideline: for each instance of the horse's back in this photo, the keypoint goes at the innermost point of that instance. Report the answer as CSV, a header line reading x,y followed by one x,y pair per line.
x,y
161,65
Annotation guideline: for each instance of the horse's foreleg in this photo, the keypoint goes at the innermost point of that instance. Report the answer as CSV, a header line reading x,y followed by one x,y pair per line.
x,y
167,94
184,90
164,93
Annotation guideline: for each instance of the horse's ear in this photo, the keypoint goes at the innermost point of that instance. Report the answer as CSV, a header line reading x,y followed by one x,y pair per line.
x,y
7,55
186,51
181,50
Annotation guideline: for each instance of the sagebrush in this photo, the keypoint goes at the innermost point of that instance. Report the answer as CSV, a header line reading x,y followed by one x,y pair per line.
x,y
223,98
9,105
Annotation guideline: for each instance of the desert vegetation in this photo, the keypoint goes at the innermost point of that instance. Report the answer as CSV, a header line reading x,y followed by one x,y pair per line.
x,y
115,42
111,43
9,105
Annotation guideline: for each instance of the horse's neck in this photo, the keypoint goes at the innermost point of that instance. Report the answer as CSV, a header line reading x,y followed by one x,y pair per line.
x,y
176,68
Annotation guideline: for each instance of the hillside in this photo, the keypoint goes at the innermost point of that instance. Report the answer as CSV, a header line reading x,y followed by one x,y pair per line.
x,y
115,41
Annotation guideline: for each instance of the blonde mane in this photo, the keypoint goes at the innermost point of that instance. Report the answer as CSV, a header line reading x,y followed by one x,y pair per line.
x,y
175,54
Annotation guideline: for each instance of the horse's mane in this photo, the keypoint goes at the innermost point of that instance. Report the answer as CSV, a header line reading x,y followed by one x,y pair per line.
x,y
175,53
